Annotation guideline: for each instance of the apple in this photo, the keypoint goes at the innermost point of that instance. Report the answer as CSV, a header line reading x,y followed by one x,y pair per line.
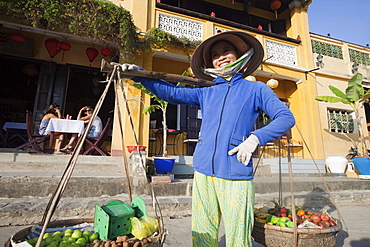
x,y
76,234
323,224
332,223
47,235
315,218
283,210
325,217
95,235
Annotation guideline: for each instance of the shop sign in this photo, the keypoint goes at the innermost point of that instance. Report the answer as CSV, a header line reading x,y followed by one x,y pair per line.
x,y
10,47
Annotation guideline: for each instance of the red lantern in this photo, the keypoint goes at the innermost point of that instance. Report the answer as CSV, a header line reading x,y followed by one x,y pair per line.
x,y
105,51
17,37
275,5
91,53
259,27
52,45
65,46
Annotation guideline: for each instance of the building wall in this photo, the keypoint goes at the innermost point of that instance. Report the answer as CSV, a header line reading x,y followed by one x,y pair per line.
x,y
295,83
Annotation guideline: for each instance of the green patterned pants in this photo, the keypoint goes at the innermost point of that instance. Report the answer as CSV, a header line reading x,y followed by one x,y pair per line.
x,y
215,197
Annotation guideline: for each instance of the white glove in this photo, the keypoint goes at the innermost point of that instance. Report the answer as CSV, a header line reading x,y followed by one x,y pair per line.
x,y
245,149
129,67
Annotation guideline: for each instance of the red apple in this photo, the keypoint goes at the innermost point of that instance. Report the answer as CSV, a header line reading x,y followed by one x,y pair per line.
x,y
315,218
324,217
323,224
332,223
283,210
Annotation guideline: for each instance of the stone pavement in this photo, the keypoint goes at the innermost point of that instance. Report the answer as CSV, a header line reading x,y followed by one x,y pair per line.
x,y
27,181
355,232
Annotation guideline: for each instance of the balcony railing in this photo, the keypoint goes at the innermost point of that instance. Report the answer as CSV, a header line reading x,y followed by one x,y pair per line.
x,y
277,52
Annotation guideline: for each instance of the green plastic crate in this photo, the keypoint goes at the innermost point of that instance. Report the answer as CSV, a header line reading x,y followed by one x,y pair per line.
x,y
113,219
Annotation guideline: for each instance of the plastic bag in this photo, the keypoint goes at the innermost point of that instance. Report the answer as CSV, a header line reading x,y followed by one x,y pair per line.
x,y
151,223
143,227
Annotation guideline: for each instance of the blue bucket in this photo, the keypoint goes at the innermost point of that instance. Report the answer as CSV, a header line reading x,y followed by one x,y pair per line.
x,y
362,164
163,164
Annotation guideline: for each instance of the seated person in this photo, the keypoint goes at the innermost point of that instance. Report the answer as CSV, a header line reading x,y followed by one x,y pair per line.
x,y
85,115
53,111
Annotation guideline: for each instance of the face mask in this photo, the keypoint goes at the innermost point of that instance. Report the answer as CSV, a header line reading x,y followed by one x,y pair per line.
x,y
230,69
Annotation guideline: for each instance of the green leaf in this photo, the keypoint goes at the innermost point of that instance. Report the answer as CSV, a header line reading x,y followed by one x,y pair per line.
x,y
332,99
355,90
365,96
338,92
151,109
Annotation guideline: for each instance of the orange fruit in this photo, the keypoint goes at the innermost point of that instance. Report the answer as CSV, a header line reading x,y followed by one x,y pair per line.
x,y
301,212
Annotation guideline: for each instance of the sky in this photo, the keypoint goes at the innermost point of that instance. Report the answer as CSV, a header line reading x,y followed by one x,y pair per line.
x,y
346,20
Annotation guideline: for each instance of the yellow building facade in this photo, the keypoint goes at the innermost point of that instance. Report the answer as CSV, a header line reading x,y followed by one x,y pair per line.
x,y
291,59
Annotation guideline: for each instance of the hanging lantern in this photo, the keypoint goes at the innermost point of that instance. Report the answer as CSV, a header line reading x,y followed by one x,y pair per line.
x,y
250,78
65,46
17,37
30,70
105,51
52,45
91,53
275,5
272,83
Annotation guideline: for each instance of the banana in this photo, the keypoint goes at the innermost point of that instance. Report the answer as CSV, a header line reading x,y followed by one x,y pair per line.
x,y
260,210
260,220
262,215
263,210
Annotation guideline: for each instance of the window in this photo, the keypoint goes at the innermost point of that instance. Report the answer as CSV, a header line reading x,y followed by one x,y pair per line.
x,y
340,121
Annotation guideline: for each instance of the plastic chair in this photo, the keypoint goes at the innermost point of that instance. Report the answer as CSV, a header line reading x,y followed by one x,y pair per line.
x,y
33,139
96,143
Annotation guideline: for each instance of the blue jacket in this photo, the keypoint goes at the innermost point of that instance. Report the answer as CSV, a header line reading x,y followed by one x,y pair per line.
x,y
229,111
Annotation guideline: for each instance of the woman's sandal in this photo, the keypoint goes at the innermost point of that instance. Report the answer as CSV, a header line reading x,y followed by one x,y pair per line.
x,y
67,150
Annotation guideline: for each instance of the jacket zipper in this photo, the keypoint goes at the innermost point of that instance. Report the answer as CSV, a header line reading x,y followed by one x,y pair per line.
x,y
218,128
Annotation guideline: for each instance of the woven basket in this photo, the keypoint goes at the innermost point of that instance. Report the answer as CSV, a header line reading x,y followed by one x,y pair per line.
x,y
22,234
276,236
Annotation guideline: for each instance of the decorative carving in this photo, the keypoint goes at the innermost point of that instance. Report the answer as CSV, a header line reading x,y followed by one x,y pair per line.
x,y
181,27
281,53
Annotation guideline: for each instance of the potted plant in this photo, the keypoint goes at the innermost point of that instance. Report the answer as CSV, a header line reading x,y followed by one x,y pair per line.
x,y
354,96
163,164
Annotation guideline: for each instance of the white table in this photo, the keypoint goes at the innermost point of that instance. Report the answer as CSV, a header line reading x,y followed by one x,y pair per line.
x,y
64,126
8,126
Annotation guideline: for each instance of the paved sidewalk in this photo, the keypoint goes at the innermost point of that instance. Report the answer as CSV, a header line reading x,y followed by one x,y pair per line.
x,y
355,233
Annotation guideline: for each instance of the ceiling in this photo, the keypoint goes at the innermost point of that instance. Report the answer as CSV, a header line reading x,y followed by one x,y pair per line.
x,y
265,4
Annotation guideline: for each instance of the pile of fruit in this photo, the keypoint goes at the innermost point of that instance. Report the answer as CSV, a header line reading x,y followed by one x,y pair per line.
x,y
282,216
77,238
68,238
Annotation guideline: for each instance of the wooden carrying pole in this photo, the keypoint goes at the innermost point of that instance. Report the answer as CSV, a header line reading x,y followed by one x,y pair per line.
x,y
54,200
108,67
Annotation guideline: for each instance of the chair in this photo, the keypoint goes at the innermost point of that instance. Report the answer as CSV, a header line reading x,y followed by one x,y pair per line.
x,y
33,139
96,143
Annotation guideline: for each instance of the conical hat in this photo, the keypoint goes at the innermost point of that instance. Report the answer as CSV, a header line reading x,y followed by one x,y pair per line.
x,y
241,40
